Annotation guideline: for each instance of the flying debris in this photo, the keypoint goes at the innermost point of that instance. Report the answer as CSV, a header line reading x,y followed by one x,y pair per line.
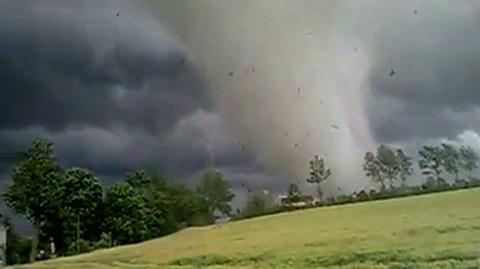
x,y
230,74
375,34
355,48
182,62
286,134
392,73
415,12
253,69
310,33
118,14
308,133
334,126
299,91
296,146
249,190
242,146
243,185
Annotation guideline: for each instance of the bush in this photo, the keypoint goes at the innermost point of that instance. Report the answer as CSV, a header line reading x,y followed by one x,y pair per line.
x,y
82,247
104,242
252,211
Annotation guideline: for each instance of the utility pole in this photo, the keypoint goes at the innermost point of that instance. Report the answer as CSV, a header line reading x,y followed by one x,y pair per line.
x,y
78,233
3,245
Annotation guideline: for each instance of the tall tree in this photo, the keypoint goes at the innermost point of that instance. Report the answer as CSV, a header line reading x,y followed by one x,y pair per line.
x,y
35,191
257,204
318,173
293,192
170,206
431,163
405,166
450,160
389,166
126,215
17,251
216,191
82,202
371,166
468,159
188,207
157,200
139,179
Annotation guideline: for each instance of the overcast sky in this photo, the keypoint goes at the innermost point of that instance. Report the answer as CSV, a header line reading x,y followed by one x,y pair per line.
x,y
117,92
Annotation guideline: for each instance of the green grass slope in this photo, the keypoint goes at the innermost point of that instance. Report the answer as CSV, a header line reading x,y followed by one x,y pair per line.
x,y
430,231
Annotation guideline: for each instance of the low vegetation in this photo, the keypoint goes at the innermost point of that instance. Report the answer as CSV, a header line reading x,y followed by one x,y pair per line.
x,y
439,230
389,170
73,213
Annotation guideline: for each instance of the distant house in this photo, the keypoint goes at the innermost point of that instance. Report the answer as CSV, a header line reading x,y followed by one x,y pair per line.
x,y
297,202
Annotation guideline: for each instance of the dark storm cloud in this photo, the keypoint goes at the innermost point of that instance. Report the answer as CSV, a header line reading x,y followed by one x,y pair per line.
x,y
435,54
196,142
114,93
58,69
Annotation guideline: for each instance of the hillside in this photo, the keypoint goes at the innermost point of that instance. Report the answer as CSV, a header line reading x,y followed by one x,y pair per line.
x,y
431,231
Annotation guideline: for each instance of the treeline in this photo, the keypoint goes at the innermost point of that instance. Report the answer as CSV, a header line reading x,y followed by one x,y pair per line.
x,y
445,167
72,213
390,169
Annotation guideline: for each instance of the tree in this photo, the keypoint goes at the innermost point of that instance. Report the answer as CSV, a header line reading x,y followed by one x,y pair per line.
x,y
170,206
18,248
468,159
318,173
257,204
35,191
82,201
294,193
371,166
188,207
388,164
450,160
158,201
431,162
139,179
216,191
405,166
126,215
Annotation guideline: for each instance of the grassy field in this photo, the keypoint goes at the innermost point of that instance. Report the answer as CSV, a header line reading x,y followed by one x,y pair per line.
x,y
430,231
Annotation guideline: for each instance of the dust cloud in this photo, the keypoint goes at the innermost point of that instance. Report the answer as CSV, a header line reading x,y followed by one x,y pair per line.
x,y
289,78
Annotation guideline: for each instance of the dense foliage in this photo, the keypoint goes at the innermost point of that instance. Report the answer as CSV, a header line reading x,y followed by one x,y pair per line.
x,y
36,192
318,174
446,167
72,213
216,191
